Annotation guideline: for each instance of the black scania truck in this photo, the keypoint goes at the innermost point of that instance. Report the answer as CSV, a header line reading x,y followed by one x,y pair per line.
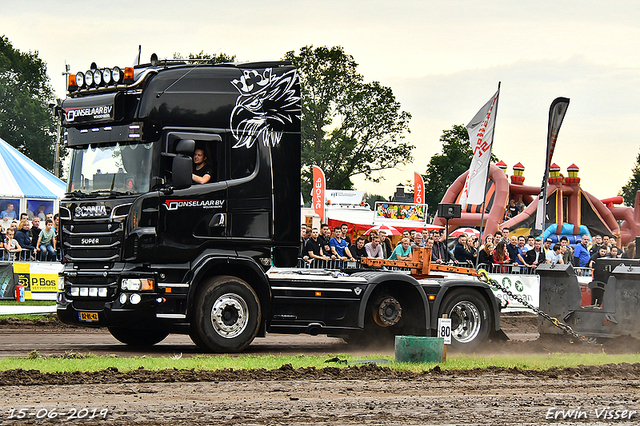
x,y
147,252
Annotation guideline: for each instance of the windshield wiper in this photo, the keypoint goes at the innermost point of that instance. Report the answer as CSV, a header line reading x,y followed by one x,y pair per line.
x,y
76,193
110,192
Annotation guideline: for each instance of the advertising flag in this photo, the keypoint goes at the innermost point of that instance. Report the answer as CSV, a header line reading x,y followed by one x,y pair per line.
x,y
418,189
480,130
317,192
556,115
557,112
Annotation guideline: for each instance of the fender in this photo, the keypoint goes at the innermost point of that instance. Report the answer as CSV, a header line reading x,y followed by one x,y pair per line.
x,y
376,278
241,267
484,290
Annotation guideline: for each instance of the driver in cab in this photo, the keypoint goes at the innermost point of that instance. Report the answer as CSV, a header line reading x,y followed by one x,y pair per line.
x,y
202,171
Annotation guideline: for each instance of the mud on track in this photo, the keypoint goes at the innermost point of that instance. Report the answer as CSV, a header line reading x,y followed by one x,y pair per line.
x,y
355,395
365,395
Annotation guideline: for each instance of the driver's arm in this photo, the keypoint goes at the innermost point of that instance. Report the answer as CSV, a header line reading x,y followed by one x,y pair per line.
x,y
204,179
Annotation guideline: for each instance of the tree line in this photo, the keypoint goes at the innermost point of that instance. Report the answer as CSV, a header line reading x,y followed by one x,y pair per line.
x,y
349,126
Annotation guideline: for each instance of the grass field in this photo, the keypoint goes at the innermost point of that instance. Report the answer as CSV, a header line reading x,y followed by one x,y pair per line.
x,y
88,362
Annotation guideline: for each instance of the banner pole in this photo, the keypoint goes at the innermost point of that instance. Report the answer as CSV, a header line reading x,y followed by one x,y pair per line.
x,y
486,184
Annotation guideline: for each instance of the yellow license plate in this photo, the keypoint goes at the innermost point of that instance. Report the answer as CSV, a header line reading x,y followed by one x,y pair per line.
x,y
88,316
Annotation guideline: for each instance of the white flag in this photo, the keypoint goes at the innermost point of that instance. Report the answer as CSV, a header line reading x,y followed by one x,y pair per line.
x,y
480,130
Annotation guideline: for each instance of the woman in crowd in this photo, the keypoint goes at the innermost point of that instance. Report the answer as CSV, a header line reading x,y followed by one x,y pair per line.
x,y
631,251
487,239
461,252
500,257
485,256
23,236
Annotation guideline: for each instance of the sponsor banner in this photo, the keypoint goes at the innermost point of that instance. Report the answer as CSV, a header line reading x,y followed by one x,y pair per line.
x,y
525,286
400,211
40,279
318,192
557,110
344,196
418,189
480,130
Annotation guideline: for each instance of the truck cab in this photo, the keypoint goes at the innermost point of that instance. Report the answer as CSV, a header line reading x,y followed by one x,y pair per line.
x,y
141,242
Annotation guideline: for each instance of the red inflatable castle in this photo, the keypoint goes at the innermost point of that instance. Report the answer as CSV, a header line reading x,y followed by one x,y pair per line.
x,y
570,210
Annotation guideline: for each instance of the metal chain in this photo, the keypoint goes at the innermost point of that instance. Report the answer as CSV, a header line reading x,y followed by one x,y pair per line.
x,y
484,276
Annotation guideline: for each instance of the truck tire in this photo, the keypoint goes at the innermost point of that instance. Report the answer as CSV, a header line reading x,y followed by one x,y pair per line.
x,y
227,315
135,337
384,320
470,318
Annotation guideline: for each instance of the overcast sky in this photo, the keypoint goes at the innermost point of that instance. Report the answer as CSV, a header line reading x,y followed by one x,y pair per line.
x,y
443,60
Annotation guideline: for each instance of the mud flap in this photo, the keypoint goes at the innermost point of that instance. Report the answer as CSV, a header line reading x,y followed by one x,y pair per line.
x,y
499,336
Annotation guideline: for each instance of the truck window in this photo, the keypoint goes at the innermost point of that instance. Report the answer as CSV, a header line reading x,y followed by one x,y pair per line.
x,y
242,160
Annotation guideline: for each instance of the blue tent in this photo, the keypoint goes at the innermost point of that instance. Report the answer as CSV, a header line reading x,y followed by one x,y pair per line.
x,y
26,185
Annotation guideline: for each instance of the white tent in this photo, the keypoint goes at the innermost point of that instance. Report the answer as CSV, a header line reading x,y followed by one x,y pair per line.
x,y
26,185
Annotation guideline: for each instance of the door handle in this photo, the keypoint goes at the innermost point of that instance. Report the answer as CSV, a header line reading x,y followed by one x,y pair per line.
x,y
218,219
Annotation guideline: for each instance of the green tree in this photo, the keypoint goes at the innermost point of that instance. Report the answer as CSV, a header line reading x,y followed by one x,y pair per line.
x,y
349,127
207,58
444,168
628,192
26,121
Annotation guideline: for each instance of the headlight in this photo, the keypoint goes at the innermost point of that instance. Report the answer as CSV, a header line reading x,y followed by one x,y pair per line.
x,y
136,284
135,298
60,283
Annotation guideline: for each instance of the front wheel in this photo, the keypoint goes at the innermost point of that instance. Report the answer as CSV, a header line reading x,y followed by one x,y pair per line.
x,y
470,318
134,337
227,315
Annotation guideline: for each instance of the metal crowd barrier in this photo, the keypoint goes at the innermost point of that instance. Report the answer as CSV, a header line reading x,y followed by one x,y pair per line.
x,y
27,256
508,268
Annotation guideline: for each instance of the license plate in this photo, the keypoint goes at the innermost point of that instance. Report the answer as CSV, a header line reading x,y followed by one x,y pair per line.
x,y
88,316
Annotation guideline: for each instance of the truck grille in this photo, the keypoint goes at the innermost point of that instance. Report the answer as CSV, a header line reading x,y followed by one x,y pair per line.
x,y
92,242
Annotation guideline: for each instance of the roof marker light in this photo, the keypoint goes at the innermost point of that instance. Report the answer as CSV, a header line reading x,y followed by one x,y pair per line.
x,y
128,75
71,83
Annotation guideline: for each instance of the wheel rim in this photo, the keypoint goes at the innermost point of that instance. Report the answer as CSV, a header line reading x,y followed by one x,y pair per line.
x,y
465,321
229,315
389,312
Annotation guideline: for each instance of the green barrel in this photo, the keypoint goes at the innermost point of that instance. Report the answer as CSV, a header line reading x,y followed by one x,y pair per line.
x,y
419,349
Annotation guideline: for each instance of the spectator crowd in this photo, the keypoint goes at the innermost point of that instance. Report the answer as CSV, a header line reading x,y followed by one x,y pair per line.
x,y
29,237
502,252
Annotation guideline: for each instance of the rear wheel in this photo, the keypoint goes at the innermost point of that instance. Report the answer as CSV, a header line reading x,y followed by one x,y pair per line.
x,y
227,315
384,320
470,318
136,337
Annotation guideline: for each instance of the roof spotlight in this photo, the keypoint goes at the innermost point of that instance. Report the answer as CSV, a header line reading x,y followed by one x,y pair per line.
x,y
117,75
97,77
80,80
88,77
106,76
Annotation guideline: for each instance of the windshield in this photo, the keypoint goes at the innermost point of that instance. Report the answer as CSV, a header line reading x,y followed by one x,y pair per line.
x,y
116,169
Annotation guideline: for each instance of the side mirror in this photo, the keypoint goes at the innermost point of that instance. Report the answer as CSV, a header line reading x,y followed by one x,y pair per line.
x,y
181,169
186,146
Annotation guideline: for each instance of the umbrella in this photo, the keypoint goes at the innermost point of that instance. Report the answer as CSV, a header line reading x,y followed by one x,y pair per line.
x,y
468,231
390,230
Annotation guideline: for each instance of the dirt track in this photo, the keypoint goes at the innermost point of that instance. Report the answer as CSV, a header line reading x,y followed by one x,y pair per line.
x,y
354,395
